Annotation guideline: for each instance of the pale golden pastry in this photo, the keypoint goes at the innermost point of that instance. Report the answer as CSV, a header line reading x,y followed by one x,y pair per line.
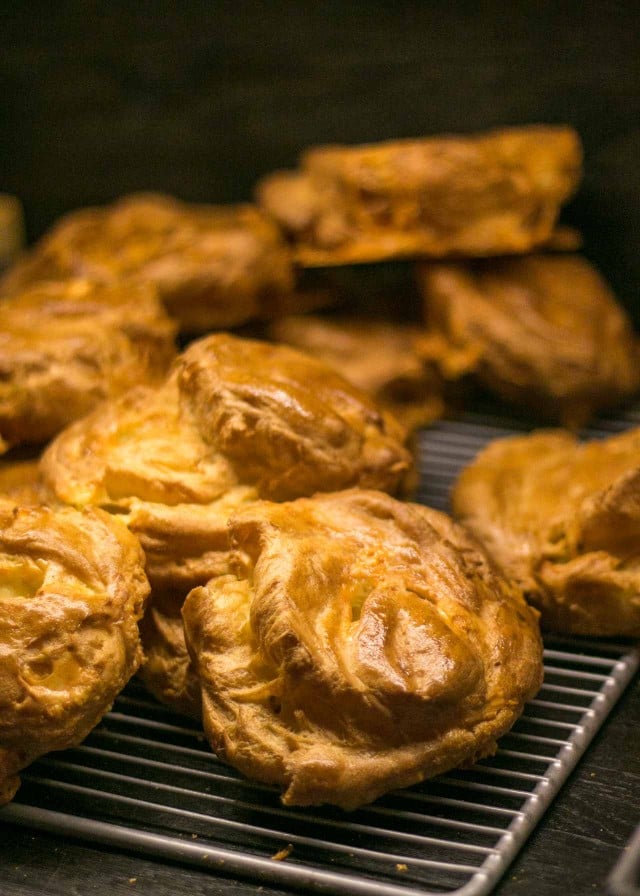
x,y
377,356
236,420
20,481
562,520
213,266
65,347
543,331
365,645
477,195
72,589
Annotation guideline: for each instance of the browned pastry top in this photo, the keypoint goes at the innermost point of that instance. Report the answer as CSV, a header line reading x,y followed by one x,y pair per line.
x,y
379,357
233,412
213,266
72,589
543,331
365,645
287,422
485,194
236,420
66,346
563,520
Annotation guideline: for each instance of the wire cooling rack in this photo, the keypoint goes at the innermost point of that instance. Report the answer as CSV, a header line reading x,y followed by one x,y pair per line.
x,y
145,780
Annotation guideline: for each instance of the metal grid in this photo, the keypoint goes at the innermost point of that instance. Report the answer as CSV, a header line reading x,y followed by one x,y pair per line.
x,y
145,779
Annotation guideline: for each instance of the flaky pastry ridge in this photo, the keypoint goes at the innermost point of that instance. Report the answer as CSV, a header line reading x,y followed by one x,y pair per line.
x,y
236,420
477,195
72,590
213,266
562,519
65,347
366,644
544,332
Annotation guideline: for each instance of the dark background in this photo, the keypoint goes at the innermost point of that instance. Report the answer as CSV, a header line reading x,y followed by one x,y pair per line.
x,y
199,99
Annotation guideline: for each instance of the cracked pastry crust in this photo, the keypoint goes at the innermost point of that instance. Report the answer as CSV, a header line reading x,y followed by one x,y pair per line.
x,y
213,266
72,589
367,644
65,347
236,420
562,519
485,194
544,332
379,357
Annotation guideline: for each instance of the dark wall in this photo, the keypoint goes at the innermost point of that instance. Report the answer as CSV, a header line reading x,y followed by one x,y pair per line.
x,y
201,98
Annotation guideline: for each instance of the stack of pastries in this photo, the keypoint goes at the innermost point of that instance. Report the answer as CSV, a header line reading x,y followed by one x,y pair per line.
x,y
234,520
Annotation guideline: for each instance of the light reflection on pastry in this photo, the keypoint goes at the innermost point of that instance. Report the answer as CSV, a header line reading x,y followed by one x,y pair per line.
x,y
477,195
562,519
366,645
379,357
64,347
213,266
72,590
236,420
544,332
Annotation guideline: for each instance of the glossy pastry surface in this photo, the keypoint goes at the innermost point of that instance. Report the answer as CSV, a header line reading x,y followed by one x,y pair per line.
x,y
365,644
236,420
542,331
66,346
562,519
213,266
379,357
477,195
72,591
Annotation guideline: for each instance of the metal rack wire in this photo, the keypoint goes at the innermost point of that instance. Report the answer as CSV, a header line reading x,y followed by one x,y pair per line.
x,y
145,779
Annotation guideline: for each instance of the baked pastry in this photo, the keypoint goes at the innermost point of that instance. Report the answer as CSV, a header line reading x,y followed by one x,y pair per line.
x,y
213,266
484,194
64,347
377,356
236,420
20,481
543,331
562,520
366,644
72,589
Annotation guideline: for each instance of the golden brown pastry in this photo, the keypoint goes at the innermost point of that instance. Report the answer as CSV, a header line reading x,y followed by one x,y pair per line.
x,y
213,266
542,331
485,194
64,347
236,420
72,589
367,644
562,519
20,481
379,357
